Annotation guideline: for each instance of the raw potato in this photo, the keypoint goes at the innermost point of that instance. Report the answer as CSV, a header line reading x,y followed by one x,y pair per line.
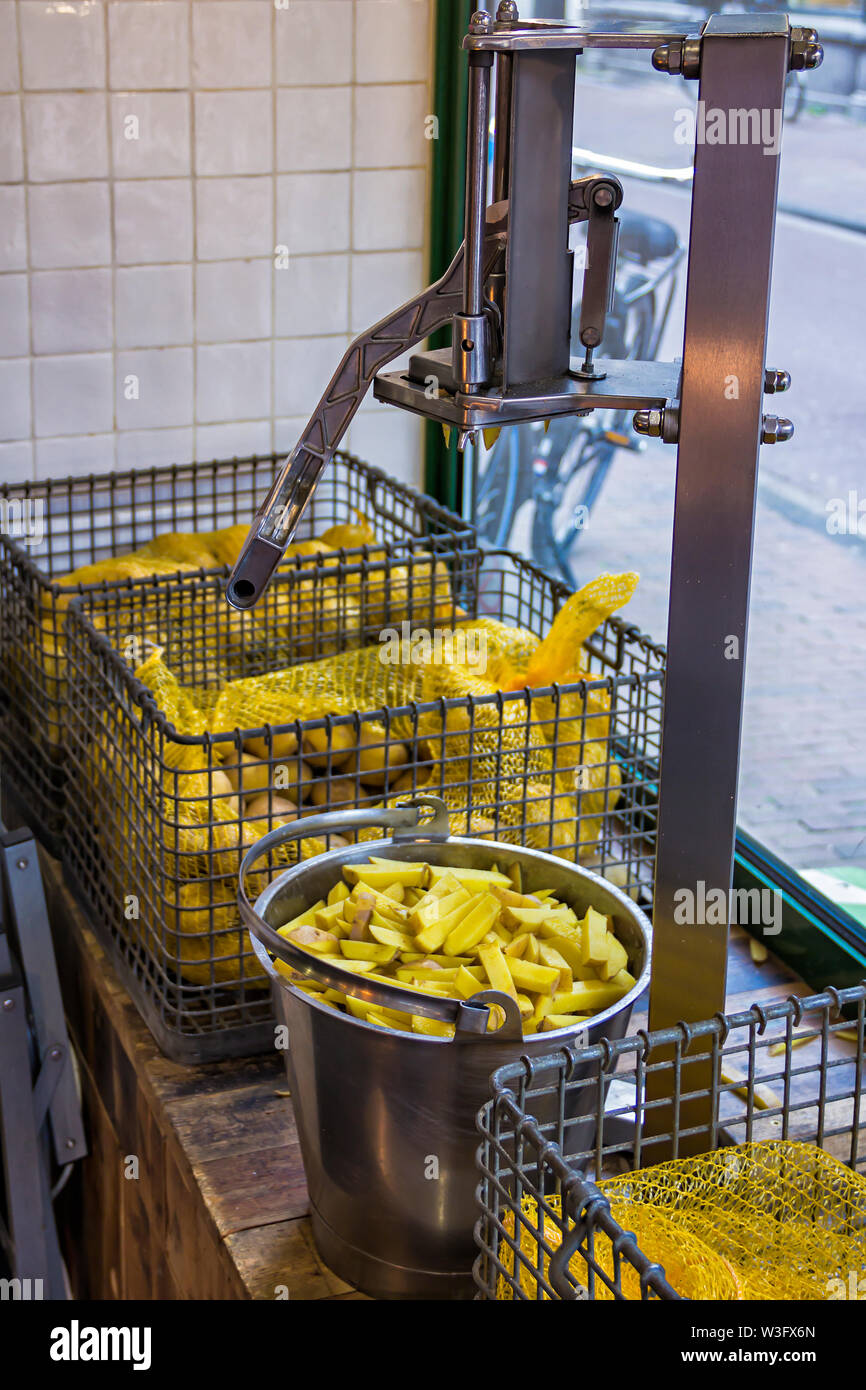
x,y
213,783
262,807
334,791
452,933
316,746
281,746
290,778
378,759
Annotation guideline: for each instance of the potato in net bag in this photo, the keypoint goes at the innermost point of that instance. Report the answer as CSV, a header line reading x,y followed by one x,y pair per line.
x,y
774,1219
692,1267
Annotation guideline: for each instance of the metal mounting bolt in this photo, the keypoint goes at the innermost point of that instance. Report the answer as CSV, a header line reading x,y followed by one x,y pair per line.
x,y
806,52
22,863
775,429
56,1054
507,12
8,1005
775,380
658,423
480,23
603,196
648,422
681,56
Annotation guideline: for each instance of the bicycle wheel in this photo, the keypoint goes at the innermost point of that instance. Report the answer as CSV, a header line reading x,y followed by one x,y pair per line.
x,y
499,489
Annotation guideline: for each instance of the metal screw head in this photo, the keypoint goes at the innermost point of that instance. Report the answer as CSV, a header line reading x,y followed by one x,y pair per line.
x,y
775,429
507,12
806,52
55,1054
667,57
22,863
480,23
8,1005
70,1143
602,197
648,422
774,381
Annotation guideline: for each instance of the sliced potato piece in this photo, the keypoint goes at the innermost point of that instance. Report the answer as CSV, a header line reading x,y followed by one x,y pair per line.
x,y
368,950
537,979
385,872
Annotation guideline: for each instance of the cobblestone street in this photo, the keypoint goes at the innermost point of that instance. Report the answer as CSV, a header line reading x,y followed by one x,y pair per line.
x,y
803,777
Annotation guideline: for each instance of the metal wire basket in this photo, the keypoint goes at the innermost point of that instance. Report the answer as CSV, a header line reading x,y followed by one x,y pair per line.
x,y
156,868
787,1070
51,528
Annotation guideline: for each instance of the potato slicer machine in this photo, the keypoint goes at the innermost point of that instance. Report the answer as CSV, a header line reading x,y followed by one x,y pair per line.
x,y
508,295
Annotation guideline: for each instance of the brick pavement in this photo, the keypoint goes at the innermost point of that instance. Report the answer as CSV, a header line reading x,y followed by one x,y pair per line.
x,y
803,771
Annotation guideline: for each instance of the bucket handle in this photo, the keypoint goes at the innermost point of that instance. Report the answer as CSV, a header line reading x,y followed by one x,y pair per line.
x,y
468,1016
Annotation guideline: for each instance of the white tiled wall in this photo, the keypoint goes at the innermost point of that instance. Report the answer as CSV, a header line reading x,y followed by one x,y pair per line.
x,y
154,157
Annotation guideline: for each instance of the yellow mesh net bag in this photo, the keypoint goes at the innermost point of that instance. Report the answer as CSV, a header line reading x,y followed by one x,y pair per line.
x,y
502,759
776,1219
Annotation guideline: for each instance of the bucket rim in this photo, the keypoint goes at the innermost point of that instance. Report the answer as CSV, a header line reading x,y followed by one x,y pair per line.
x,y
556,1037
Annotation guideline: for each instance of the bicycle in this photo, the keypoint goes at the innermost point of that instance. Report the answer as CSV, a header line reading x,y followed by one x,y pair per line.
x,y
561,468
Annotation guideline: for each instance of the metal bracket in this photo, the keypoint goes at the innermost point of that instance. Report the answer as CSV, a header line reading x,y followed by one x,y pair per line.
x,y
30,998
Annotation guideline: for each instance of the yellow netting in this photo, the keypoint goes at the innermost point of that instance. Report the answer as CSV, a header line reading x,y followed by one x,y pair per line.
x,y
774,1219
504,759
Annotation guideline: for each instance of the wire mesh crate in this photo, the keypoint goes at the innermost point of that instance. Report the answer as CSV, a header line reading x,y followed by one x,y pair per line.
x,y
193,729
772,1203
52,528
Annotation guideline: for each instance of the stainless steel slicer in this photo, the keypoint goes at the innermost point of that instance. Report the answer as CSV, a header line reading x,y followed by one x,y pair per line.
x,y
508,295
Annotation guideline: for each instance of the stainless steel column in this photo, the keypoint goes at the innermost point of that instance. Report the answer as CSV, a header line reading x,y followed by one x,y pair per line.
x,y
538,262
743,66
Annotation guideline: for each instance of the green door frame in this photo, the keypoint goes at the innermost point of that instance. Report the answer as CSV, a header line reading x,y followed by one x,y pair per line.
x,y
443,466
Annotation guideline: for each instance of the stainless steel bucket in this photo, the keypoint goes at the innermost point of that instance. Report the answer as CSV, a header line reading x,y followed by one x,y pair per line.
x,y
387,1120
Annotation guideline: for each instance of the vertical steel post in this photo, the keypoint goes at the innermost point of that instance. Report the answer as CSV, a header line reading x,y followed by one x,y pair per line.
x,y
743,66
538,267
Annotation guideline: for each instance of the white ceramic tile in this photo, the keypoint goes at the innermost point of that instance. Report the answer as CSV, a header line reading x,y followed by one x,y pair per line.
x,y
231,43
392,41
383,282
15,398
13,229
314,42
312,296
234,217
148,44
388,209
288,432
153,221
69,225
233,132
62,44
72,395
150,135
71,310
66,136
391,439
314,128
233,441
153,306
14,320
75,456
389,126
16,462
9,74
233,300
151,448
162,379
11,146
302,369
233,382
313,212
